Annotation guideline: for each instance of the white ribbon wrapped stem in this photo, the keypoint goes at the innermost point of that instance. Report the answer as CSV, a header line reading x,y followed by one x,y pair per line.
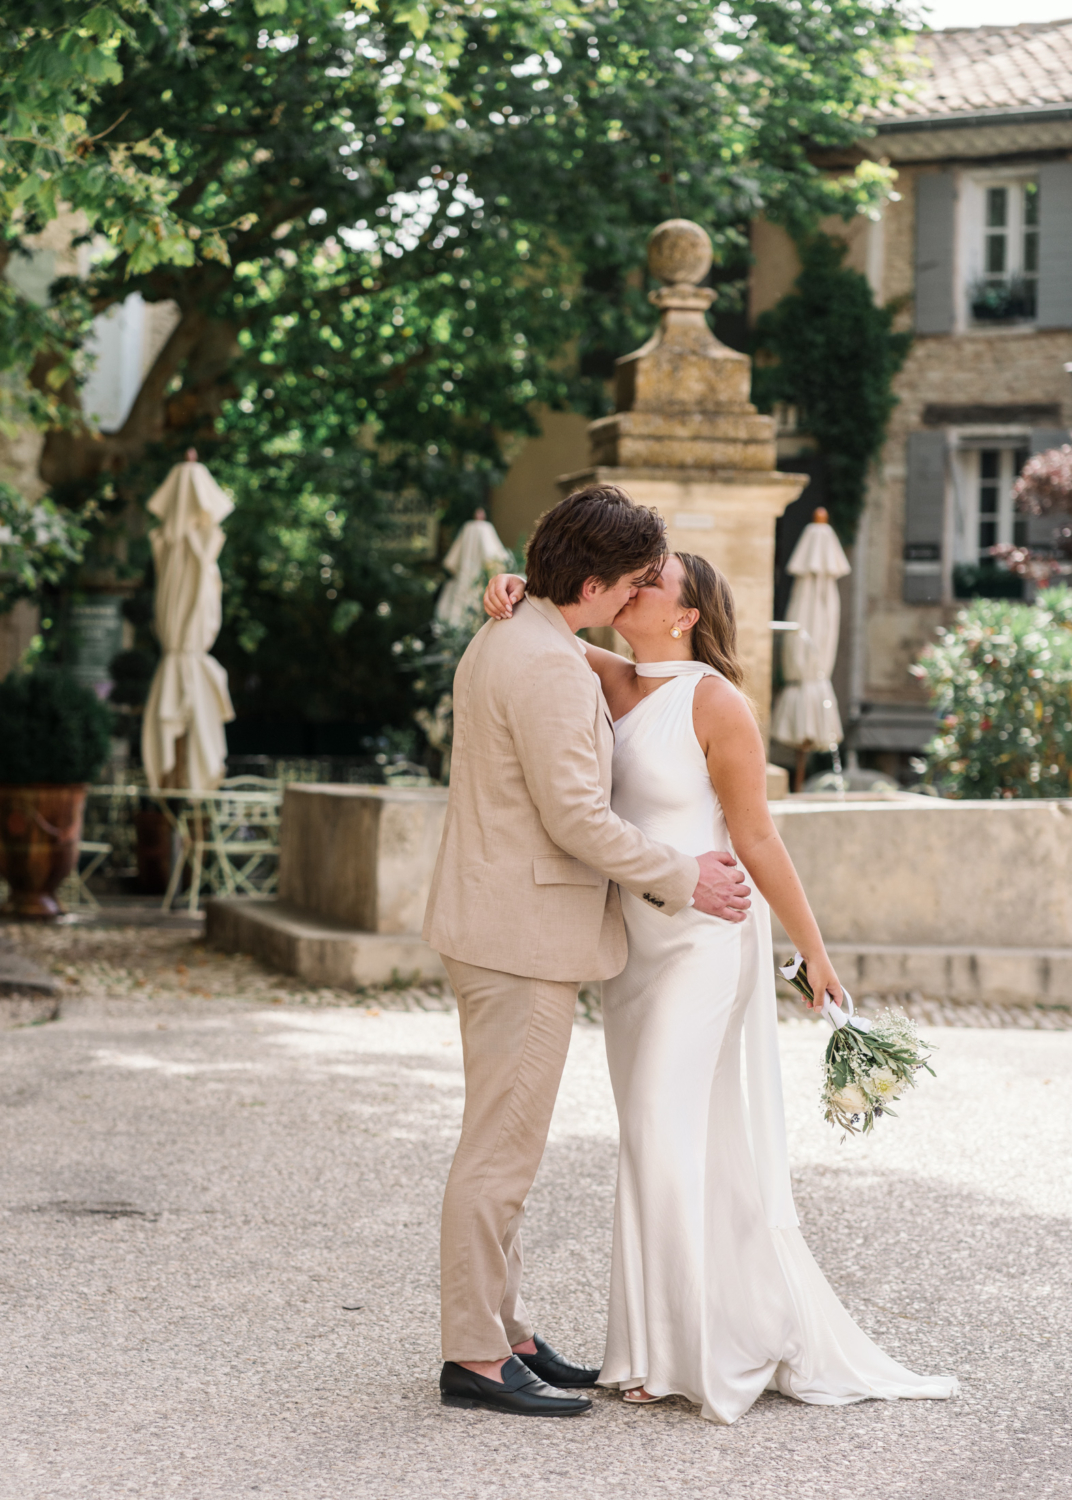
x,y
831,1012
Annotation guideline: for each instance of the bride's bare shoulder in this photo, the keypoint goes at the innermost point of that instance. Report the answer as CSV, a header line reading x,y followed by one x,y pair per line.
x,y
718,704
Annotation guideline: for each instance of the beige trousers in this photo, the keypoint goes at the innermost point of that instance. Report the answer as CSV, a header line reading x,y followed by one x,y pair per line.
x,y
515,1035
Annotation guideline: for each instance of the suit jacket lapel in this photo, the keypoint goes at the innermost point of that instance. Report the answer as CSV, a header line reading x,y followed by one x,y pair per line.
x,y
603,704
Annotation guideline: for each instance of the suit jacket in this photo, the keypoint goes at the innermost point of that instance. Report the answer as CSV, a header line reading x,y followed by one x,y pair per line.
x,y
524,882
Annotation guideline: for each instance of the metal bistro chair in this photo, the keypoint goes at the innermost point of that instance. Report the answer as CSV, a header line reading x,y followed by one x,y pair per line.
x,y
74,891
227,835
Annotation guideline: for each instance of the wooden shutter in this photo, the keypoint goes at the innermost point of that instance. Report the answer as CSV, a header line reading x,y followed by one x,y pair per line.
x,y
924,517
936,200
1055,245
1040,529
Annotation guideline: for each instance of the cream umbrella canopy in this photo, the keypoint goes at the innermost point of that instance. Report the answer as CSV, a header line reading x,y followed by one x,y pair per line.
x,y
188,696
476,545
806,713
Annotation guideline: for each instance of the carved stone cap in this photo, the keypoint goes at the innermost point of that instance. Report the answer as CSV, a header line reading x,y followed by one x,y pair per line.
x,y
679,252
683,398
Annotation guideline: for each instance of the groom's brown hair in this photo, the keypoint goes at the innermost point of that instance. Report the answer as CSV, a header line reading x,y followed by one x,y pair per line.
x,y
598,532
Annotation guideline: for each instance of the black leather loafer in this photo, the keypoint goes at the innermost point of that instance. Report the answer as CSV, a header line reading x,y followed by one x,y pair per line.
x,y
521,1393
550,1366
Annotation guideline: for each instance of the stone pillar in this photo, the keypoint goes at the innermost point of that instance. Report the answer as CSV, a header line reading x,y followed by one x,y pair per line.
x,y
685,439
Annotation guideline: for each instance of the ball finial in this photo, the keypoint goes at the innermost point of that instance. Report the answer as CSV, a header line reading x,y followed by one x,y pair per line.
x,y
679,252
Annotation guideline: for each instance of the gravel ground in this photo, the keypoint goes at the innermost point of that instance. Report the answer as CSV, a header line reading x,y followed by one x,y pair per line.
x,y
218,1259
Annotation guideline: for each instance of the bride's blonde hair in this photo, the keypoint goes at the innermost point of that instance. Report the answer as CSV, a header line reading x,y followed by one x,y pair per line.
x,y
714,636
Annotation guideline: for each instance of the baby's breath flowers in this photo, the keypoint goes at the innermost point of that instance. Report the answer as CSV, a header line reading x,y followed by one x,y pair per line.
x,y
868,1064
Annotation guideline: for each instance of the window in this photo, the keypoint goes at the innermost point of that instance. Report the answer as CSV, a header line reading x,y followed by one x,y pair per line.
x,y
1003,281
988,516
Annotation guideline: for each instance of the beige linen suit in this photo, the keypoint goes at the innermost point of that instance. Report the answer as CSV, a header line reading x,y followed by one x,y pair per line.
x,y
524,906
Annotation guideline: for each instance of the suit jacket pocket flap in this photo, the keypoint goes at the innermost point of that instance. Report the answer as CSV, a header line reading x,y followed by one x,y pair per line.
x,y
562,870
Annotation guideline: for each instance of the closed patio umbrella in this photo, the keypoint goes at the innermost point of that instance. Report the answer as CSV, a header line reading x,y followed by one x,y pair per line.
x,y
806,713
188,700
475,547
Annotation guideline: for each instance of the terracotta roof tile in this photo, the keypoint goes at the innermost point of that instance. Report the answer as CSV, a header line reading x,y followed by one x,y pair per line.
x,y
981,68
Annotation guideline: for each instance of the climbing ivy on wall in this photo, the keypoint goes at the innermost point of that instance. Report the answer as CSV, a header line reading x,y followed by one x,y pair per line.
x,y
828,350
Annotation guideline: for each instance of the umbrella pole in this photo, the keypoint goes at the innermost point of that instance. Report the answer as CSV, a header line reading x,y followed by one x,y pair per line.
x,y
179,775
802,766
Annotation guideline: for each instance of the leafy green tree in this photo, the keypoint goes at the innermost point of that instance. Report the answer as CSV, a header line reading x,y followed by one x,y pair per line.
x,y
60,59
425,233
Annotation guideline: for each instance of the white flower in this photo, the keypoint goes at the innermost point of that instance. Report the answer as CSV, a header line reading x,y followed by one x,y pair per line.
x,y
850,1100
885,1085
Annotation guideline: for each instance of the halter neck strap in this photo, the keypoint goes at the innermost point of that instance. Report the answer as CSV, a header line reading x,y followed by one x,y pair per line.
x,y
675,669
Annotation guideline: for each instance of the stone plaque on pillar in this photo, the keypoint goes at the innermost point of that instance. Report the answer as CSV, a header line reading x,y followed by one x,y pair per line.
x,y
686,439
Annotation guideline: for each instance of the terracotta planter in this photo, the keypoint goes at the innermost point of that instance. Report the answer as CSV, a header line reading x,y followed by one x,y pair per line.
x,y
40,829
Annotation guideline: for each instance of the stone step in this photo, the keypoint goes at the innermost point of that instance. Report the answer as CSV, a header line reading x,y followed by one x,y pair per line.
x,y
329,954
28,995
322,952
21,976
970,975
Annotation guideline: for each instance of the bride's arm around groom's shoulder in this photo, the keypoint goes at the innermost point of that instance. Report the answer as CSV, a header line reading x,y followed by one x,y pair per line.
x,y
737,762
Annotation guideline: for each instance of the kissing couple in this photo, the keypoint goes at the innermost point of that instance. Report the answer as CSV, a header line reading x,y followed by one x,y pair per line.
x,y
601,819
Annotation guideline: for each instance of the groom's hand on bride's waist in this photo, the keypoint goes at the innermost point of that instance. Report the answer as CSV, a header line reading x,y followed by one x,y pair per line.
x,y
721,891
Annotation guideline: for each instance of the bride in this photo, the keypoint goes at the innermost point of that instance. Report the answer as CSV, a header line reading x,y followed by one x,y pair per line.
x,y
714,1295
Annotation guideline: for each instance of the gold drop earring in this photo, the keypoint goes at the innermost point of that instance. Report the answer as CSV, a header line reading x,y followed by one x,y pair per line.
x,y
675,632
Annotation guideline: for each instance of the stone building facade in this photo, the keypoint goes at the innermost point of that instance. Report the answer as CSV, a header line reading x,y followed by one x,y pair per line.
x,y
976,243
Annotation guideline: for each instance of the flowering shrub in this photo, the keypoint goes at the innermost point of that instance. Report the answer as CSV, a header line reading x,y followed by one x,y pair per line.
x,y
1001,680
1045,484
1044,488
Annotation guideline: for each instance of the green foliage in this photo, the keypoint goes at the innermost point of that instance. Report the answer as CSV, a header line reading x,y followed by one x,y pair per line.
x,y
830,352
401,249
52,729
316,589
62,141
38,544
1001,680
60,60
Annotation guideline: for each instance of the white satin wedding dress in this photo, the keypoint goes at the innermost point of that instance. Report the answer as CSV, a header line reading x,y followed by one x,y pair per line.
x,y
714,1294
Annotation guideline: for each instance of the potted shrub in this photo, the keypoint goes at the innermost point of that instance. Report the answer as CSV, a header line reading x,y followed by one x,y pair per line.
x,y
54,737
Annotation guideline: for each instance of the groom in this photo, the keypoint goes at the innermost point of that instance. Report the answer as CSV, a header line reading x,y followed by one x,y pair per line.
x,y
524,905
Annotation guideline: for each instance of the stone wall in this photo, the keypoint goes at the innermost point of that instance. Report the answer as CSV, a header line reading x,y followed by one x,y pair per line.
x,y
926,872
962,901
361,856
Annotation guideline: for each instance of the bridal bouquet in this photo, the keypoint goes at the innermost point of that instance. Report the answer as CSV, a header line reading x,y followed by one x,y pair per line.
x,y
868,1064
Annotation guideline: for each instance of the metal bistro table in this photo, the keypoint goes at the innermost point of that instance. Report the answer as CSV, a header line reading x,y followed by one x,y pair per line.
x,y
225,835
